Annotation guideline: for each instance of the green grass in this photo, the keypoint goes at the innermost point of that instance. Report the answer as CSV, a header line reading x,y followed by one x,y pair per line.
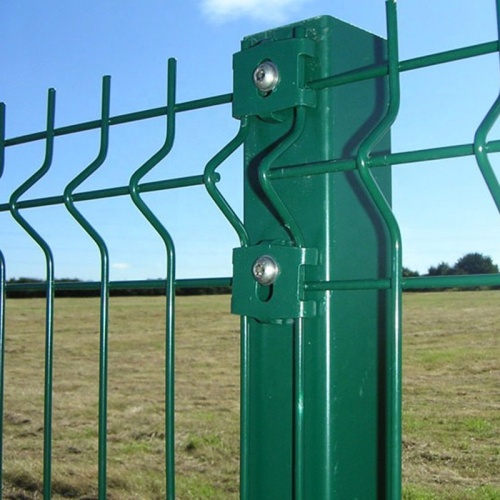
x,y
207,404
451,395
451,398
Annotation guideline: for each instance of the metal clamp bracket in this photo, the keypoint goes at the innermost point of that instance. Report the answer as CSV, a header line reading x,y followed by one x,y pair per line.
x,y
270,77
268,282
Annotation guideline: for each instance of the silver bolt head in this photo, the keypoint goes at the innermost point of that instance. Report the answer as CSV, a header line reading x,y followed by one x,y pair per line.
x,y
266,76
265,270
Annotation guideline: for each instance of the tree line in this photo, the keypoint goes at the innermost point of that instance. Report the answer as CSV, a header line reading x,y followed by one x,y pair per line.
x,y
71,287
470,263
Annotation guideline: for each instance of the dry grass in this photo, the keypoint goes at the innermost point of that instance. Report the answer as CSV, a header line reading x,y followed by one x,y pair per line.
x,y
207,398
451,399
452,395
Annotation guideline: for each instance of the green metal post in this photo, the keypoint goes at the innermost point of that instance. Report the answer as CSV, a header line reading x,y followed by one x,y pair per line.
x,y
318,366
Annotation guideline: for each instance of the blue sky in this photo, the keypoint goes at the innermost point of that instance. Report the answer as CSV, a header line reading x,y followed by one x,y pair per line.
x,y
443,207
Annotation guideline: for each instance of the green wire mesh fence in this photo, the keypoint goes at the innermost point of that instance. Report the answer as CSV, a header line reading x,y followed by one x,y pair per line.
x,y
480,147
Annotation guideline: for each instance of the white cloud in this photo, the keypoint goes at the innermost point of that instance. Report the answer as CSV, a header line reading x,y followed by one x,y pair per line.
x,y
120,265
273,10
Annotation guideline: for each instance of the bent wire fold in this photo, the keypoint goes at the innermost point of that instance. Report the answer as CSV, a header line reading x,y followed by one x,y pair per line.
x,y
264,170
481,138
104,296
135,194
49,288
393,429
210,180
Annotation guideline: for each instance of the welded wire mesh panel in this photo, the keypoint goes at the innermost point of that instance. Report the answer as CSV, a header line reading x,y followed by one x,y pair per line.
x,y
70,198
110,205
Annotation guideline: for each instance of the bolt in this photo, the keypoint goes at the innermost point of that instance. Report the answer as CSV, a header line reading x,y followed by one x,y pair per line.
x,y
266,76
265,270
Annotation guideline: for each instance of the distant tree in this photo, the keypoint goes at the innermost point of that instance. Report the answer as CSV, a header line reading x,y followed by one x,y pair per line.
x,y
24,279
408,273
475,263
442,269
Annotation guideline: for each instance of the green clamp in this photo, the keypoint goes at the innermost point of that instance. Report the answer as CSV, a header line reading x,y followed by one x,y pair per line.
x,y
270,77
268,282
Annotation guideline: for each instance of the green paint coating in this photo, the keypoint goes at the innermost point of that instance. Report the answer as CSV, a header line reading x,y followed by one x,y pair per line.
x,y
316,409
49,290
104,290
320,374
289,56
168,242
280,301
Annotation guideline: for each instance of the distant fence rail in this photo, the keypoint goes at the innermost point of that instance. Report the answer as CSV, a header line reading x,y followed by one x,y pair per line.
x,y
362,163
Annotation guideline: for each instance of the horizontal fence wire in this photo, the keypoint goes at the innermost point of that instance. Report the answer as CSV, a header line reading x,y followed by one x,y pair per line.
x,y
411,283
332,81
122,119
149,284
319,168
99,194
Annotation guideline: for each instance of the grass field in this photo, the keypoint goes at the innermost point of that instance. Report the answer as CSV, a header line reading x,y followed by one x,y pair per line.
x,y
451,393
451,397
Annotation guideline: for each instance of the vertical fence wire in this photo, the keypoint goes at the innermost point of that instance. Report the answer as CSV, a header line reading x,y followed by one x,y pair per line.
x,y
393,427
49,289
2,361
2,304
265,180
363,163
297,237
210,180
104,293
244,406
2,138
134,188
298,417
481,139
210,184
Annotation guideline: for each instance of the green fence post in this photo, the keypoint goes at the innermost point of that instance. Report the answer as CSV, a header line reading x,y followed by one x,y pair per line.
x,y
314,280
